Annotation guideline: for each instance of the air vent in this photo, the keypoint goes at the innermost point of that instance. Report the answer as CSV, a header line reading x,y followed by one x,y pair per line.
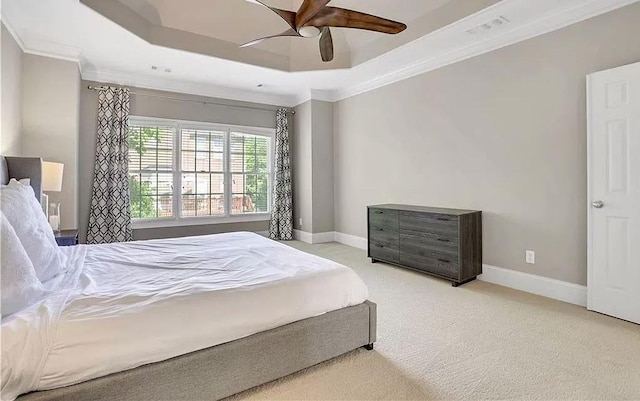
x,y
488,26
160,68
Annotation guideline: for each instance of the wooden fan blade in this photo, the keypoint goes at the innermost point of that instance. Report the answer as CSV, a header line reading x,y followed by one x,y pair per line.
x,y
326,45
288,16
289,32
341,18
308,10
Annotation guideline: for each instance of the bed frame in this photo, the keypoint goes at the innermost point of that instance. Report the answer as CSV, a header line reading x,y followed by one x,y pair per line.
x,y
221,371
226,369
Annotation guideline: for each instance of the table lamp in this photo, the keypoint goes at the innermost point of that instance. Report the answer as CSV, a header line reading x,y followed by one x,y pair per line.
x,y
52,182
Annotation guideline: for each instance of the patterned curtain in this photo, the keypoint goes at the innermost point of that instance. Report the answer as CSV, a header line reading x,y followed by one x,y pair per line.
x,y
110,215
281,225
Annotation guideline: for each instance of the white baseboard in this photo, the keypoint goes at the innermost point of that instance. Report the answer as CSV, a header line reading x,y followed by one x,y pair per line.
x,y
539,285
547,287
351,240
331,236
323,238
303,236
317,238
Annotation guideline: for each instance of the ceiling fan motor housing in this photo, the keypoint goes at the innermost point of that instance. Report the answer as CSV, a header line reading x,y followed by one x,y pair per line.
x,y
309,31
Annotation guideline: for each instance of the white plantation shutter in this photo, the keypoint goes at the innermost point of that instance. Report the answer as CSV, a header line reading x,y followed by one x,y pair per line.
x,y
151,169
198,171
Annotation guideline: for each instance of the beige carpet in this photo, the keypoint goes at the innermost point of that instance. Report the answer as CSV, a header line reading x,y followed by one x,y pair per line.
x,y
479,341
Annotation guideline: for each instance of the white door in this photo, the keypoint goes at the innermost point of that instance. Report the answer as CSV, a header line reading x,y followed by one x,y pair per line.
x,y
614,192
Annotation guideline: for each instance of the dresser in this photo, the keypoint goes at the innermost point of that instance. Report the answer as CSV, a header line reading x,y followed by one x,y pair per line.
x,y
446,243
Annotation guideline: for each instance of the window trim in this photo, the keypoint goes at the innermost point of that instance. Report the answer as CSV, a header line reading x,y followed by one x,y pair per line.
x,y
228,217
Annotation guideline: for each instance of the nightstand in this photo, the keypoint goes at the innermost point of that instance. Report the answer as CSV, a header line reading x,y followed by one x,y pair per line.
x,y
67,237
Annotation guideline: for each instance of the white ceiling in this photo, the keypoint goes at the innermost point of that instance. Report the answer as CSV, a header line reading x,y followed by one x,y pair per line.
x,y
107,52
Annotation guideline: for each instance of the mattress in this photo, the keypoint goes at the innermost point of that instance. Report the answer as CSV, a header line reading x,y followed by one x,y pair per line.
x,y
121,306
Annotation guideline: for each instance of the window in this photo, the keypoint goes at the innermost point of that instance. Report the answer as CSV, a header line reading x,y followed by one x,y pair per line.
x,y
202,172
249,173
151,171
224,173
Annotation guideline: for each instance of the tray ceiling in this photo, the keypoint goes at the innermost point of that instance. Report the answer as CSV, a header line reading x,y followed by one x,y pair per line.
x,y
140,51
217,28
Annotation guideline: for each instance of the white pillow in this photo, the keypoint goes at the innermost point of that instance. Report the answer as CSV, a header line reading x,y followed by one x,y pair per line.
x,y
24,185
20,286
22,210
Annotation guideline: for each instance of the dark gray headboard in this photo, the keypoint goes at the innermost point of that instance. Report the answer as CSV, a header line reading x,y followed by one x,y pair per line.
x,y
22,167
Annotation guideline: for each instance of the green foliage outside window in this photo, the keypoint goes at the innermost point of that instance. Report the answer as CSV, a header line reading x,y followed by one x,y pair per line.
x,y
142,204
256,161
256,168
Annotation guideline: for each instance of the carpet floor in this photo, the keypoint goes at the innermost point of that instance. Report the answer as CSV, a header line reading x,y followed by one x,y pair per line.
x,y
479,341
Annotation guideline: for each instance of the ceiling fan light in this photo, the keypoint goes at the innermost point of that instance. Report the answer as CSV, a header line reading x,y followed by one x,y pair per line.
x,y
309,31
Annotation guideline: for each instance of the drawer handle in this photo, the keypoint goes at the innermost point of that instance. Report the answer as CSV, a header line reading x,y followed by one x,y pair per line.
x,y
380,246
444,240
444,261
380,229
379,212
443,219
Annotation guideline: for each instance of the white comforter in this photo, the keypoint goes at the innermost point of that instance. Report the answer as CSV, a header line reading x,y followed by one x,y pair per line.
x,y
124,305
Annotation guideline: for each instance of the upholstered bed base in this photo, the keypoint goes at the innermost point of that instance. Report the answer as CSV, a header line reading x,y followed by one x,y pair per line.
x,y
230,368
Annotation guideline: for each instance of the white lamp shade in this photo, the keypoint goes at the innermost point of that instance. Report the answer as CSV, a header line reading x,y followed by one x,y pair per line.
x,y
52,176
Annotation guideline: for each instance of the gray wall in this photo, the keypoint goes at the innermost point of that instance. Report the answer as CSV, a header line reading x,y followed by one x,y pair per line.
x,y
150,103
50,123
302,168
11,83
322,161
504,132
312,158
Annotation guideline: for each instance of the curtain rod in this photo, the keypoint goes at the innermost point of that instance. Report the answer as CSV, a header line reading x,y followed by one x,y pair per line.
x,y
100,88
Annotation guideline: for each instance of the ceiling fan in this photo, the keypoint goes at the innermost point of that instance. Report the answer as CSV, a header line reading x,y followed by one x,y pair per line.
x,y
314,19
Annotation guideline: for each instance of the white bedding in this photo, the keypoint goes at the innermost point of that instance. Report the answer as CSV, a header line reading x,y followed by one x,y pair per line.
x,y
125,305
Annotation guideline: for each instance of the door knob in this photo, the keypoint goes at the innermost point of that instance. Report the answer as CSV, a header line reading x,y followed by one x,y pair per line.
x,y
598,204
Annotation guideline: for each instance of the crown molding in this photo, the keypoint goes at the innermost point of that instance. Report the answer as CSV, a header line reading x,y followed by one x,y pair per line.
x,y
57,51
322,95
388,62
50,53
539,27
13,33
314,94
189,87
302,97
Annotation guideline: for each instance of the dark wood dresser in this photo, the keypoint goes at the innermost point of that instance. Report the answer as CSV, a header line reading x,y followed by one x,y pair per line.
x,y
442,242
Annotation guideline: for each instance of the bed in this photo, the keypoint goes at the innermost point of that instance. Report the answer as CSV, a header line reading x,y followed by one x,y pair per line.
x,y
192,319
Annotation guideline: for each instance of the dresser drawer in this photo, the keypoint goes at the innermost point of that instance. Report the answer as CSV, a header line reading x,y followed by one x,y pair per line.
x,y
446,242
443,225
416,245
383,220
382,251
387,238
439,266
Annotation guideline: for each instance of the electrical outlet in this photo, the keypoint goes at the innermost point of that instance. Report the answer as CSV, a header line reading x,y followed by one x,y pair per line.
x,y
300,222
531,257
